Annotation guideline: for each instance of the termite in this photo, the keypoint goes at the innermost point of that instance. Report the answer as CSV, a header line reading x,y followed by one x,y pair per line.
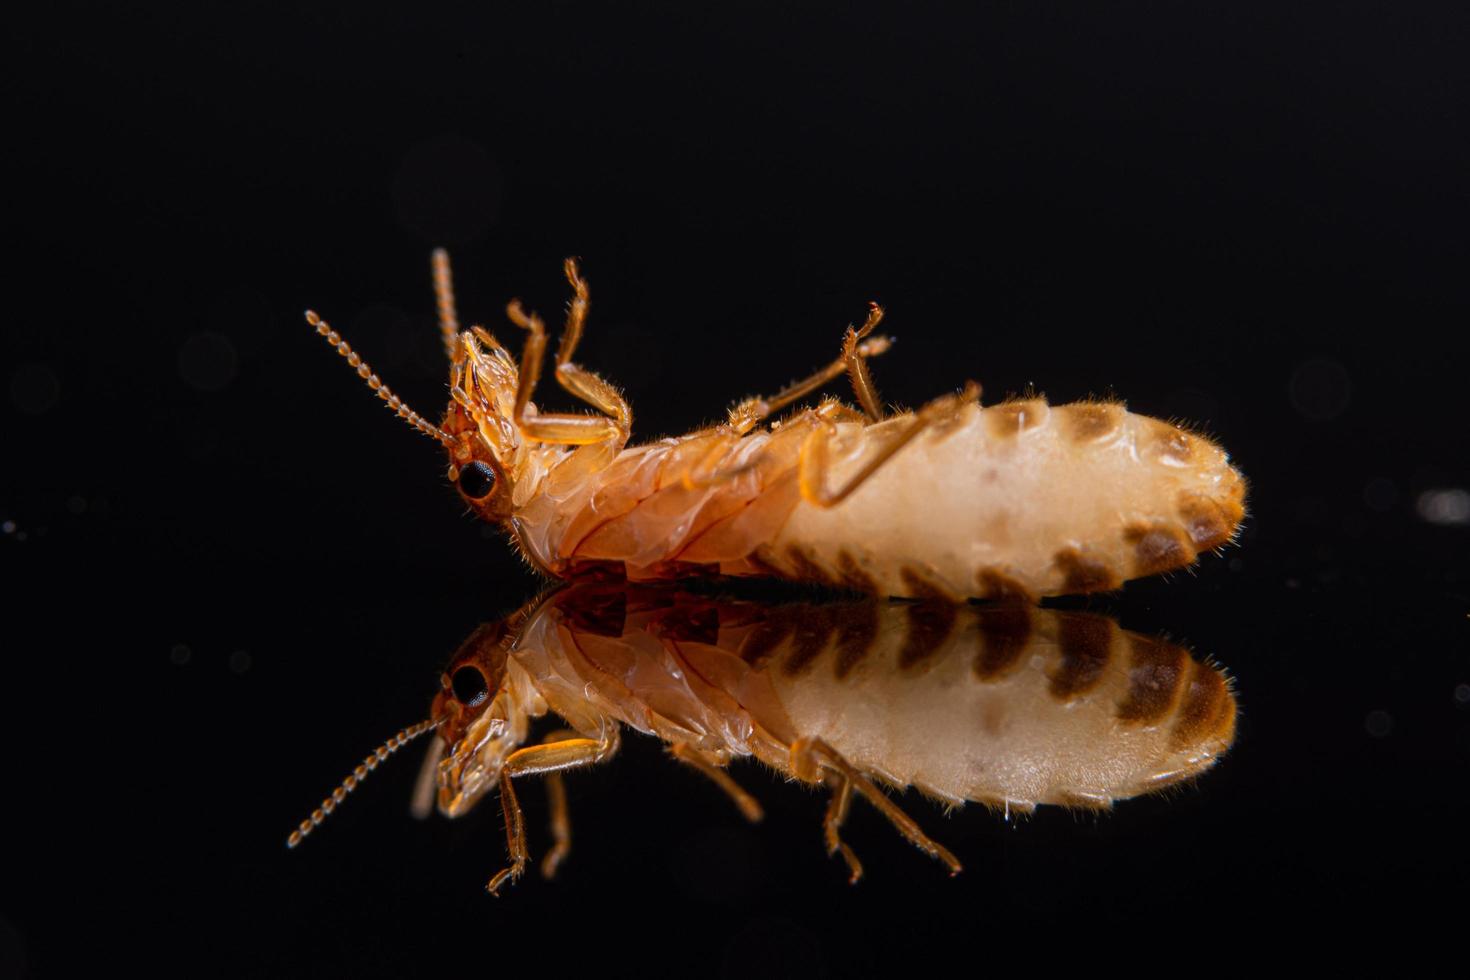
x,y
953,500
1007,705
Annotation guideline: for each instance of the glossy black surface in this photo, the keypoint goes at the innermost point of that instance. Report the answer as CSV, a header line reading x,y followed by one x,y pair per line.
x,y
233,573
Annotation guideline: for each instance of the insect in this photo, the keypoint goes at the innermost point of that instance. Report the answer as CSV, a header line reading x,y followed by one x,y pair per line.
x,y
1007,705
952,500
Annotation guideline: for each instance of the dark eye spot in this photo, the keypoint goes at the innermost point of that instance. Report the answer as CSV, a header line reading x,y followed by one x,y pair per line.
x,y
469,685
476,480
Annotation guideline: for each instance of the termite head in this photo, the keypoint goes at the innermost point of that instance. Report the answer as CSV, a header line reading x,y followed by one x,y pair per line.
x,y
477,717
484,448
485,453
485,427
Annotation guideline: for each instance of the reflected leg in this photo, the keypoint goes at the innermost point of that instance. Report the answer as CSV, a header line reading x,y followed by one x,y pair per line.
x,y
561,823
750,808
567,753
832,822
810,756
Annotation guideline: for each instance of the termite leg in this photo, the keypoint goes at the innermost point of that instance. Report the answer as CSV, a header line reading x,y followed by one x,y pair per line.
x,y
702,474
565,753
576,430
857,365
689,755
570,430
561,823
582,383
751,412
515,837
561,826
531,354
444,298
832,410
812,471
810,755
837,808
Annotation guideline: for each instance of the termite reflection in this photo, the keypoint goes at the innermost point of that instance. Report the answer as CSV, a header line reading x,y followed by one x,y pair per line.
x,y
1009,706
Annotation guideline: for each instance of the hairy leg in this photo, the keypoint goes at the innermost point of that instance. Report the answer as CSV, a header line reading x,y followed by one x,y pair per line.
x,y
690,756
574,430
561,823
812,759
751,412
812,474
857,365
566,753
832,822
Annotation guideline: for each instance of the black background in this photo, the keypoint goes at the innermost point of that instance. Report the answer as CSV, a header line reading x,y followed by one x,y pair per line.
x,y
238,573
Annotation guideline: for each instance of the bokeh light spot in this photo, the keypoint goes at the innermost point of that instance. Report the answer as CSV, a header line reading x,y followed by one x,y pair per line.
x,y
1448,507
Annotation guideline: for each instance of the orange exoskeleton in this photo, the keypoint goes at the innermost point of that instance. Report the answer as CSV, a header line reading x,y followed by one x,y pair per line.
x,y
1007,705
952,500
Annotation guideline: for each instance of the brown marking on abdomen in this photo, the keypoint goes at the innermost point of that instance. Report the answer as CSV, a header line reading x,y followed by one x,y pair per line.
x,y
1012,418
1083,574
1004,633
857,631
1154,674
1206,520
762,560
1158,548
1232,501
768,633
1207,709
1086,422
852,575
1085,642
929,625
991,583
918,585
805,569
813,631
1169,444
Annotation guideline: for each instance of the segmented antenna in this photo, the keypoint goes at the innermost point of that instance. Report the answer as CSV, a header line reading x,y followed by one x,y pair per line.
x,y
365,372
444,295
349,784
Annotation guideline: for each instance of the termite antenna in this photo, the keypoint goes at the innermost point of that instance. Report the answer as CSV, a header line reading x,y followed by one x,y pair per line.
x,y
349,784
365,372
444,297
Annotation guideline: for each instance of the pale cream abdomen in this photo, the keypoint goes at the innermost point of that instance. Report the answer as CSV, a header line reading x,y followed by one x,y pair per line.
x,y
1016,498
